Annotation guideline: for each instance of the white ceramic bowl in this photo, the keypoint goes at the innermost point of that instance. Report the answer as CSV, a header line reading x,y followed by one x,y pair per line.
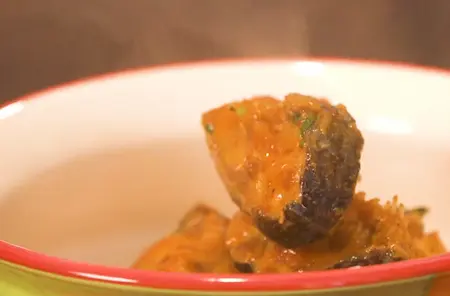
x,y
96,170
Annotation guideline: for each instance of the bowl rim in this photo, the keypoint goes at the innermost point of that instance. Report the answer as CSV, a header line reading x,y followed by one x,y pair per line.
x,y
233,282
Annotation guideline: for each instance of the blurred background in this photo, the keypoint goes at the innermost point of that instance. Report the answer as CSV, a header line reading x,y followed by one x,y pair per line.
x,y
47,42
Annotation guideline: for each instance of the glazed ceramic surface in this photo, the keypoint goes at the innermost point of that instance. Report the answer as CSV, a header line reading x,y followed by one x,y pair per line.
x,y
96,171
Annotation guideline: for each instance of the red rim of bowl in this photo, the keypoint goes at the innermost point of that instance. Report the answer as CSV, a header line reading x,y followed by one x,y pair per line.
x,y
239,282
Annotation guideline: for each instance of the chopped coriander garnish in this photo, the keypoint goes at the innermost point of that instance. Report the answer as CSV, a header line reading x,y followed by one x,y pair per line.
x,y
307,123
302,143
241,110
296,117
421,211
209,128
339,211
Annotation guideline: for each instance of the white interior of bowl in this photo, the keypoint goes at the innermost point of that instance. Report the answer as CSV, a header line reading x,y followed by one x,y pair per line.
x,y
97,171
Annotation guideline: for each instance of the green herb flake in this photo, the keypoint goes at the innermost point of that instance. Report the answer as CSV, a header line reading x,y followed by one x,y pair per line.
x,y
339,211
296,117
306,126
420,211
241,110
209,128
307,123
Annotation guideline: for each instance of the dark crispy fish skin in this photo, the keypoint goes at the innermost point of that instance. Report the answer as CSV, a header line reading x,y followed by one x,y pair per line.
x,y
243,267
372,257
328,183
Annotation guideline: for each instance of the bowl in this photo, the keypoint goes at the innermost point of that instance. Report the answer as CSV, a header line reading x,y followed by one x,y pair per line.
x,y
96,170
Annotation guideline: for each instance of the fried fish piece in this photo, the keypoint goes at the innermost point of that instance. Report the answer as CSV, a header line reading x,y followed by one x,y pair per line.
x,y
291,164
196,246
247,245
369,233
369,257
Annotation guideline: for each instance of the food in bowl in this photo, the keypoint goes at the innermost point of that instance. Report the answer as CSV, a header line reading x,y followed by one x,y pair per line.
x,y
291,167
270,152
197,245
369,233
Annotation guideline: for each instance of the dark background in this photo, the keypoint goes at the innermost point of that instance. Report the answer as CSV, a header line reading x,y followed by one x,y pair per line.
x,y
47,42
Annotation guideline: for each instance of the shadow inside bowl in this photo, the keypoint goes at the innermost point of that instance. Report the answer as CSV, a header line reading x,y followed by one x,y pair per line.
x,y
106,208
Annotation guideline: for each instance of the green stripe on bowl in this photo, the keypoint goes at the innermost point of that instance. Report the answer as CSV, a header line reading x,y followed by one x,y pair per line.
x,y
16,280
